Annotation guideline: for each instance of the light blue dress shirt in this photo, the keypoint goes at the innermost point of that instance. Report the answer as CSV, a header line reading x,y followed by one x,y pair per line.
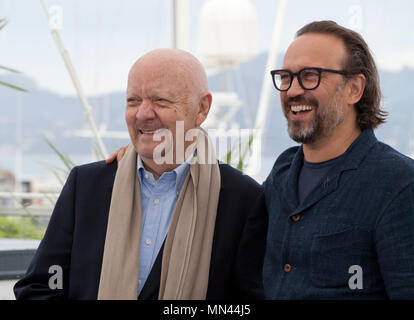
x,y
158,199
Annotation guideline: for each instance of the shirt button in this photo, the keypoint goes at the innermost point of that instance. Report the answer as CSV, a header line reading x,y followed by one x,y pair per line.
x,y
156,201
146,176
296,217
148,241
139,281
287,267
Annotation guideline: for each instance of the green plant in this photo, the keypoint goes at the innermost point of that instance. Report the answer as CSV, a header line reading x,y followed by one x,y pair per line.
x,y
3,23
29,227
245,148
60,174
19,227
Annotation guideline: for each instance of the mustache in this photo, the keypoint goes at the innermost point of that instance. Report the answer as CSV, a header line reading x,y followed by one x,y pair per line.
x,y
150,125
302,100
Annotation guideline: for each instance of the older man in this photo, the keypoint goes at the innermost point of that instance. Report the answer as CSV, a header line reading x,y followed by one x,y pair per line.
x,y
168,222
341,205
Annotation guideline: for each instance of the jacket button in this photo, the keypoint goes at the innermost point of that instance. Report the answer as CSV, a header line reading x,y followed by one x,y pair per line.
x,y
287,267
296,217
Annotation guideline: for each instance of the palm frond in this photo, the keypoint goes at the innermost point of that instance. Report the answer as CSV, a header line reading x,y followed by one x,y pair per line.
x,y
65,159
3,22
9,69
247,147
12,86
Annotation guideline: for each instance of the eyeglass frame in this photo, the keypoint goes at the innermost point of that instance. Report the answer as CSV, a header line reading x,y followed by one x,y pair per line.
x,y
293,74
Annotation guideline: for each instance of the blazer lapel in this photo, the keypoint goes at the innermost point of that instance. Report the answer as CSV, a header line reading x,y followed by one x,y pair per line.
x,y
327,185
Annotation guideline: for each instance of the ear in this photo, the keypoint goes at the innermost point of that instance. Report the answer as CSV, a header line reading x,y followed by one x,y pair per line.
x,y
205,105
356,87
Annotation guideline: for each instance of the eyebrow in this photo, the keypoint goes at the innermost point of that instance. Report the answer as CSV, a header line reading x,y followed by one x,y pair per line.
x,y
154,93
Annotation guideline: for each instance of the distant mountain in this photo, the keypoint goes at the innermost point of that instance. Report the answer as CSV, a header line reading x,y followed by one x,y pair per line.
x,y
46,113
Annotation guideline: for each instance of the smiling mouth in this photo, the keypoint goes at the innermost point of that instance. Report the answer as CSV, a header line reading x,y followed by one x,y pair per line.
x,y
149,131
300,109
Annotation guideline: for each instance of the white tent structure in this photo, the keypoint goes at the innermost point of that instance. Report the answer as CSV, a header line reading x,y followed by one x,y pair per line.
x,y
228,32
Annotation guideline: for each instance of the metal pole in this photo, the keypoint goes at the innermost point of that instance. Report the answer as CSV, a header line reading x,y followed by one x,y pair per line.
x,y
179,24
173,16
29,195
72,72
267,82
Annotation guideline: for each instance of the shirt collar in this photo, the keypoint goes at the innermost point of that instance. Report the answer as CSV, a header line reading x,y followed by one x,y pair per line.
x,y
358,150
180,173
353,156
351,159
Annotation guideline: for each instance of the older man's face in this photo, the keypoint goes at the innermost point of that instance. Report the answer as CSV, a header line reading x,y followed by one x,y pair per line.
x,y
158,95
312,114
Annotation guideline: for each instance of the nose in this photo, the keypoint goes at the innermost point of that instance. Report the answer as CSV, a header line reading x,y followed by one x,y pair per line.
x,y
295,89
145,111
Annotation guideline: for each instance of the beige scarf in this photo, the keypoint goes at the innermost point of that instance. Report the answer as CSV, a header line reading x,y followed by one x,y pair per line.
x,y
187,249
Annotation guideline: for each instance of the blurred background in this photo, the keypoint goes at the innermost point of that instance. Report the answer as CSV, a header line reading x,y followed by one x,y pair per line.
x,y
59,58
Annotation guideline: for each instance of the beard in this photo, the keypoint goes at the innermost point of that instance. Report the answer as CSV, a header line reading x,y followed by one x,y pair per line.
x,y
326,118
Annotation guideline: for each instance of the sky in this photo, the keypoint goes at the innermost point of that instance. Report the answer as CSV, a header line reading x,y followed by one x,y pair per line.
x,y
105,37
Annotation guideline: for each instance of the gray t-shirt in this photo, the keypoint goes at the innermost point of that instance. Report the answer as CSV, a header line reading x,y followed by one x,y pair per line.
x,y
311,173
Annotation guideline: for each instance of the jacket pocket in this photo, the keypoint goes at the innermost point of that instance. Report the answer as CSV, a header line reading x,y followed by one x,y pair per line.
x,y
333,254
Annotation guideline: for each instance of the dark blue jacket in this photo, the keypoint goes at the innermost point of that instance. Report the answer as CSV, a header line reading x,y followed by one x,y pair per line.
x,y
76,232
361,213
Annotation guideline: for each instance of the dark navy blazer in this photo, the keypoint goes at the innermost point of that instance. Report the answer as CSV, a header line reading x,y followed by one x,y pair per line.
x,y
359,220
76,233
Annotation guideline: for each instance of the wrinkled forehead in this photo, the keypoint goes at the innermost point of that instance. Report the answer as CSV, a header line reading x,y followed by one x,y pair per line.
x,y
315,50
155,72
168,70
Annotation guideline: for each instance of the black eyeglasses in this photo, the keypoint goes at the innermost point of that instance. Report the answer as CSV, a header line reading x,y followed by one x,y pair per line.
x,y
308,78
